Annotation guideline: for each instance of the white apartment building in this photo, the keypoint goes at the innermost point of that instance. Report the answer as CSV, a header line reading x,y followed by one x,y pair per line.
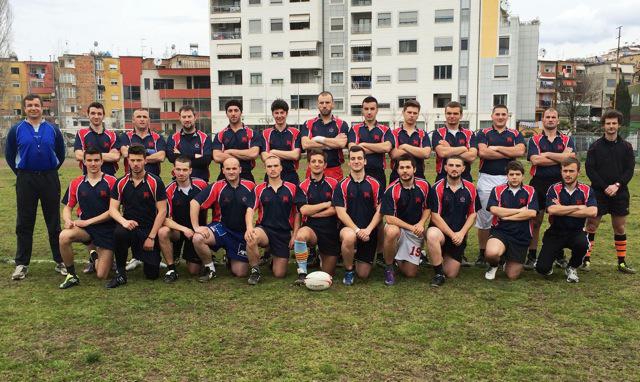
x,y
435,51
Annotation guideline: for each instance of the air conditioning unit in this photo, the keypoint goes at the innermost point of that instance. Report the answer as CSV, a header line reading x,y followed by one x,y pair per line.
x,y
317,73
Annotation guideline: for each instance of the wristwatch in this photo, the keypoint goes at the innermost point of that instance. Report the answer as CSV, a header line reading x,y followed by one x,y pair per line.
x,y
617,184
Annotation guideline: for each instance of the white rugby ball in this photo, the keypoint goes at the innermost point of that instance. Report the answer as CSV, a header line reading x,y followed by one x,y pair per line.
x,y
318,280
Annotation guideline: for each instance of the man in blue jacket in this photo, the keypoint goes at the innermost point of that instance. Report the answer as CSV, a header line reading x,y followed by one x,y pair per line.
x,y
35,150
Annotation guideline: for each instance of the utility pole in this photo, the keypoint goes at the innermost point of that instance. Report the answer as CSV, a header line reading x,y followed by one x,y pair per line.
x,y
615,93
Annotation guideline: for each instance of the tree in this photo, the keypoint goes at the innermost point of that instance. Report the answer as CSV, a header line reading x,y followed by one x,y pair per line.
x,y
623,101
6,21
573,98
6,54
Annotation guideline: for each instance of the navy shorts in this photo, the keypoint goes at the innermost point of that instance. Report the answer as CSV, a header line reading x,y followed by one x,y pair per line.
x,y
616,206
328,239
149,257
185,246
101,235
233,242
278,242
366,250
513,251
454,251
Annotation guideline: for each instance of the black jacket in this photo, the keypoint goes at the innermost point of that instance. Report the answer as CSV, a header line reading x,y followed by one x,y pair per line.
x,y
609,162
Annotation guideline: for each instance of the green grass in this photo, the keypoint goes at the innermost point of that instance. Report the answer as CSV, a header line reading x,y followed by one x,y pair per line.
x,y
471,329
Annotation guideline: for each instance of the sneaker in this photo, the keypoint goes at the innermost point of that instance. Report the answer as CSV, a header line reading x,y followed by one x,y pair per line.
x,y
490,274
424,260
481,262
465,262
20,272
254,277
549,273
264,260
349,278
206,275
70,281
389,277
133,264
163,265
116,281
380,260
572,275
60,268
529,264
586,266
171,277
624,268
561,263
438,280
300,279
91,264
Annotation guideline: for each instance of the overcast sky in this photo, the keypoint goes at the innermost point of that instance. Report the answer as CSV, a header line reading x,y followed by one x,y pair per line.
x,y
128,27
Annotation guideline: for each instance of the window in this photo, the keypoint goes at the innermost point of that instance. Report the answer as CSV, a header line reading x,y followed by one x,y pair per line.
x,y
408,46
464,44
303,101
337,2
276,25
132,93
276,1
444,16
147,84
99,65
337,51
255,26
113,82
113,67
67,78
337,24
115,97
441,100
337,78
499,99
15,70
463,101
338,104
635,99
356,109
402,100
568,69
501,71
162,83
299,22
256,78
15,84
384,51
611,82
443,44
277,81
99,80
464,73
384,20
442,72
255,52
256,105
230,77
384,79
503,46
254,2
223,100
17,111
407,18
408,74
277,54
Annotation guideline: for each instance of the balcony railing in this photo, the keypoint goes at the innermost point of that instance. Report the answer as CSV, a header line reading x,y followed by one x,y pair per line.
x,y
232,8
361,29
360,3
360,57
226,35
361,84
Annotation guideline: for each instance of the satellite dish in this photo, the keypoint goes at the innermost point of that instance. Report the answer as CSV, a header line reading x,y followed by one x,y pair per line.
x,y
173,46
157,61
95,43
542,52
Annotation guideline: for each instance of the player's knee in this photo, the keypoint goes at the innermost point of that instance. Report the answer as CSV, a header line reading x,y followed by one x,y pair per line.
x,y
433,236
65,236
102,274
391,232
163,233
451,273
302,235
410,272
348,237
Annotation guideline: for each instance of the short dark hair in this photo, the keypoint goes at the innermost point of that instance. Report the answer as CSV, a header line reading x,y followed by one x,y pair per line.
x,y
453,105
30,97
370,99
407,157
91,150
184,159
411,103
455,157
355,149
611,113
312,152
499,106
187,108
96,105
138,149
569,161
515,165
279,104
233,102
549,109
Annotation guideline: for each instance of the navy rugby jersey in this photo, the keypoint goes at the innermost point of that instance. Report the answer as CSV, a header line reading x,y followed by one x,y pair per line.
x,y
315,128
539,144
407,204
360,133
491,137
359,198
463,137
277,208
139,202
91,200
178,207
419,138
581,195
285,140
455,207
152,142
242,139
103,142
189,145
317,192
229,204
502,196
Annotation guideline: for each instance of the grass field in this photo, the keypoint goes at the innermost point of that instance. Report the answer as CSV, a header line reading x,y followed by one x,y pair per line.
x,y
471,329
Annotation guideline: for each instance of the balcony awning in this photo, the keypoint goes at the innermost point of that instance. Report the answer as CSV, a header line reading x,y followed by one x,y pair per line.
x,y
299,46
226,20
299,18
360,43
229,49
359,72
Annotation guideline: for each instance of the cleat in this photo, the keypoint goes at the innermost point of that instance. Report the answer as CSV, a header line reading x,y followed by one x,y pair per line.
x,y
624,268
438,280
424,260
60,268
206,275
70,281
389,277
133,264
91,264
349,278
530,264
572,275
480,262
586,266
254,277
380,260
300,279
163,265
265,259
561,263
116,281
171,277
20,272
465,262
490,274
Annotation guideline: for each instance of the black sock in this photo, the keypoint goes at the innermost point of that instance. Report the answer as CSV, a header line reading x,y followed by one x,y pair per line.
x,y
438,269
171,267
255,269
388,266
481,252
532,254
71,269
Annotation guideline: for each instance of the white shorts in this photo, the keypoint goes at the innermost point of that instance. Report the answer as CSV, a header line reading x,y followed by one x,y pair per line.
x,y
486,183
409,247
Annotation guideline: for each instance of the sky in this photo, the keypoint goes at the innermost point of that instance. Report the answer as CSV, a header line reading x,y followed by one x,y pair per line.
x,y
41,28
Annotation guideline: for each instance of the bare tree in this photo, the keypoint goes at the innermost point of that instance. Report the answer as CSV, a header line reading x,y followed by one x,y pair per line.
x,y
574,98
6,19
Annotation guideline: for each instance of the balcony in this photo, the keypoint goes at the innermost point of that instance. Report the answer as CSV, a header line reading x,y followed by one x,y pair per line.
x,y
229,77
360,3
361,82
306,76
361,54
361,23
184,93
361,28
221,6
545,104
223,30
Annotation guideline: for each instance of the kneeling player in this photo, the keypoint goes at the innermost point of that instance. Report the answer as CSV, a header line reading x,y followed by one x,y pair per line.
x,y
91,193
514,206
230,199
177,226
453,212
405,205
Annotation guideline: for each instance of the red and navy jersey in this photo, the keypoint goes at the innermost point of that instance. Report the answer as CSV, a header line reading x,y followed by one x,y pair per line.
x,y
242,139
360,133
359,198
539,144
153,142
407,204
558,195
492,137
315,128
91,200
277,208
462,137
455,207
285,140
316,192
503,196
139,202
418,138
189,145
104,142
178,207
229,204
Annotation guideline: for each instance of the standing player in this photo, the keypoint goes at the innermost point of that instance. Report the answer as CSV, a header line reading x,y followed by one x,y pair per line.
x,y
282,141
546,151
514,207
569,204
410,140
236,141
326,132
356,200
141,134
97,136
276,202
454,140
143,198
191,143
231,200
319,222
453,211
497,146
177,226
91,193
405,206
610,165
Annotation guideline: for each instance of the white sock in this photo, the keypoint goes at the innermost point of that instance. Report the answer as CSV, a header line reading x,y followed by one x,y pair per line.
x,y
211,266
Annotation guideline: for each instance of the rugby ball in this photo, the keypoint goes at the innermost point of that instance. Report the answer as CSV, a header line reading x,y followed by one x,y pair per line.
x,y
318,281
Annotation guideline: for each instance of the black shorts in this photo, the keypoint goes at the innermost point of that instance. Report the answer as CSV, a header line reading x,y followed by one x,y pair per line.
x,y
278,242
616,206
541,186
101,235
185,246
366,250
513,252
377,174
328,239
454,251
